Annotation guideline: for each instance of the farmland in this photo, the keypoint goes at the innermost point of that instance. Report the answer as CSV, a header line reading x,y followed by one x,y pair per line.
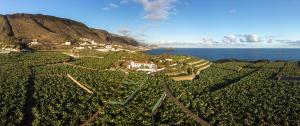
x,y
35,90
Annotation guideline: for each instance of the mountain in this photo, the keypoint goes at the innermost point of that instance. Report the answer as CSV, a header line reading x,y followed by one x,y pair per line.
x,y
52,31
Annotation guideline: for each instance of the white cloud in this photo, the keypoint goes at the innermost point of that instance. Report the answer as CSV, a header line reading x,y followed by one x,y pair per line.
x,y
110,6
229,39
207,41
124,31
157,9
203,42
270,41
293,43
250,38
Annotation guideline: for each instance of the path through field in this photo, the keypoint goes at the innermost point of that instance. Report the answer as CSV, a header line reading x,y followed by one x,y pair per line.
x,y
182,107
27,119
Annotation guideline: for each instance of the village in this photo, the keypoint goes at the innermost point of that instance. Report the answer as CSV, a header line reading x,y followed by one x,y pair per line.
x,y
81,44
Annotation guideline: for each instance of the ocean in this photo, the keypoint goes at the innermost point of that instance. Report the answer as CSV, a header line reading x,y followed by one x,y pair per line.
x,y
249,54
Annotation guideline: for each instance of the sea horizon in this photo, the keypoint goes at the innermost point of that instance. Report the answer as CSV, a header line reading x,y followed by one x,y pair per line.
x,y
247,54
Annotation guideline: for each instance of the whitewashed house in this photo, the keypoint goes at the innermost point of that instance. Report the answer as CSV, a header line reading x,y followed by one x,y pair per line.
x,y
103,50
175,64
94,43
79,48
8,50
68,43
132,51
84,44
101,44
34,42
140,65
169,60
108,46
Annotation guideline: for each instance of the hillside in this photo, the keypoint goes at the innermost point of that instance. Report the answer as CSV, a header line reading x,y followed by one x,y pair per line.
x,y
52,31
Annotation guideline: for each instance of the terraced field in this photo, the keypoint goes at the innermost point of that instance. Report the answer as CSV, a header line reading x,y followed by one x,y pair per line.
x,y
35,90
189,71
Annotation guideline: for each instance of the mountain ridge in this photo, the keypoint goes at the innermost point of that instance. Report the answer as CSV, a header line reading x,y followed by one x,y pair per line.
x,y
52,31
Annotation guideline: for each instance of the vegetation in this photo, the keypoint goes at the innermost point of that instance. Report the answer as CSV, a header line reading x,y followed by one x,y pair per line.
x,y
13,87
228,93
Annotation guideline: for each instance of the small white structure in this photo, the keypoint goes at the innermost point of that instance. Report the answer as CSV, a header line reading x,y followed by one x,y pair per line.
x,y
140,65
101,44
170,60
108,46
8,50
34,42
103,50
132,51
68,43
86,39
84,43
94,43
175,64
79,48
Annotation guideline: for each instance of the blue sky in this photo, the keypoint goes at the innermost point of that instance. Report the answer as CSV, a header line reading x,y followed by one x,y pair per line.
x,y
181,23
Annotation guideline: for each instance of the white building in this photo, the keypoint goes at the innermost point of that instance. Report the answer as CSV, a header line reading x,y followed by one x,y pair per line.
x,y
132,51
86,39
84,43
68,43
103,50
175,64
34,42
79,48
101,44
170,60
140,65
108,46
94,43
8,50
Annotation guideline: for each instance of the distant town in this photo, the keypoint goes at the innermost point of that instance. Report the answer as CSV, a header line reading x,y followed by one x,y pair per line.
x,y
82,44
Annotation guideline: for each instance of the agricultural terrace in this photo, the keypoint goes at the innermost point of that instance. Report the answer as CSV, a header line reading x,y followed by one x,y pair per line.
x,y
45,88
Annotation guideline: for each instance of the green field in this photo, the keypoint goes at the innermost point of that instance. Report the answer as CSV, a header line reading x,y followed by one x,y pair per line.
x,y
35,90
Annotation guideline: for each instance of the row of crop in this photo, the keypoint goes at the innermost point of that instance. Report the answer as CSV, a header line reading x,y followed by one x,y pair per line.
x,y
129,88
275,65
13,88
170,114
107,85
208,77
256,65
291,69
96,63
104,83
34,59
253,99
236,66
58,101
138,110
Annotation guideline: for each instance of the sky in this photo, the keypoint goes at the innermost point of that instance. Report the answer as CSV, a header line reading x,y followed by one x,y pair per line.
x,y
181,23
